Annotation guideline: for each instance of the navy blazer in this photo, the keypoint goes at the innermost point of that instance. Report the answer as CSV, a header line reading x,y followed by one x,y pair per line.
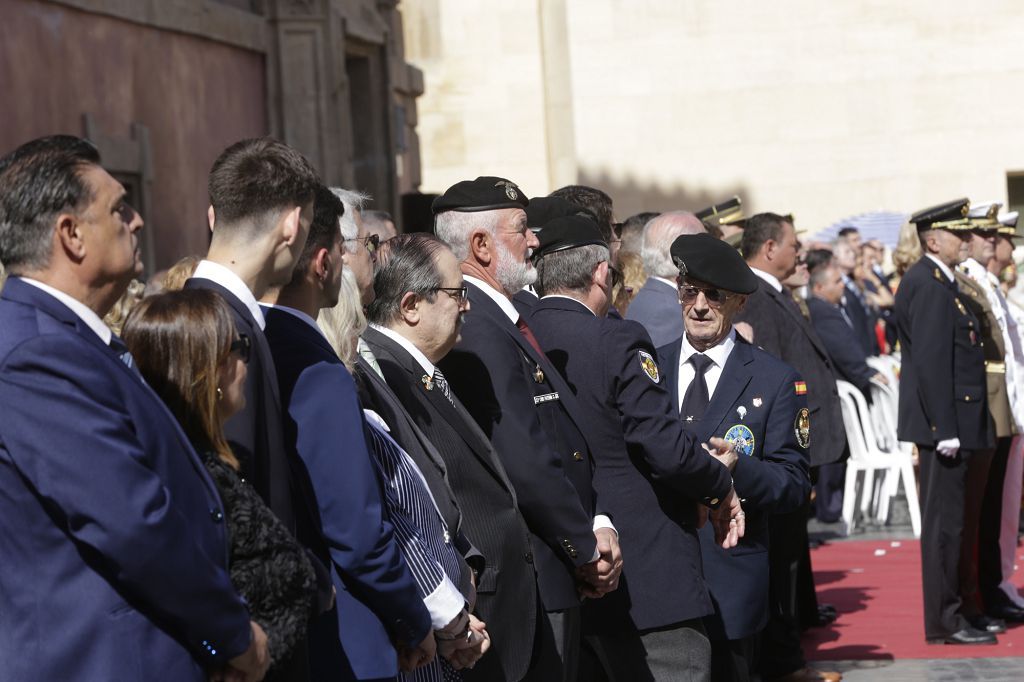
x,y
112,537
650,473
255,433
657,308
849,358
524,406
378,599
507,586
759,392
782,330
943,390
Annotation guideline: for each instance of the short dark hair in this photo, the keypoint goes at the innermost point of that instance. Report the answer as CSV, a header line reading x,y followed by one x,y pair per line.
x,y
324,231
254,177
759,229
405,263
848,230
38,181
592,199
817,258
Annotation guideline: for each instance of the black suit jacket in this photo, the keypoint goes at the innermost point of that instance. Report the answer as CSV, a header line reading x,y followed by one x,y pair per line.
x,y
943,392
256,434
849,358
528,412
507,586
781,330
650,473
756,391
375,394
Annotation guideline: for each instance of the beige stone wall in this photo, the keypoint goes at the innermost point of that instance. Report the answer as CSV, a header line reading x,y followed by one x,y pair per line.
x,y
822,109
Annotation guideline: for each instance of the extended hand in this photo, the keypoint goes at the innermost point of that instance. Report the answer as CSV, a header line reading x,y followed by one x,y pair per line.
x,y
473,646
724,452
729,521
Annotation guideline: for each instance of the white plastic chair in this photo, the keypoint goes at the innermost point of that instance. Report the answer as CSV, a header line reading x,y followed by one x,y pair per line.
x,y
867,457
885,407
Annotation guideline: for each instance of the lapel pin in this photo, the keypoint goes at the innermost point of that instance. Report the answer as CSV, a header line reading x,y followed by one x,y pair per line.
x,y
689,419
428,383
757,402
538,375
741,411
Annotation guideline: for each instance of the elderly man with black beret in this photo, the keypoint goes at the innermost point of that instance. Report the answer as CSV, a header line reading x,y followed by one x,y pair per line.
x,y
523,405
652,476
725,387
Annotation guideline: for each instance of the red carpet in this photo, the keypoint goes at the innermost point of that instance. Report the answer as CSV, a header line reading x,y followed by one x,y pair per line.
x,y
876,587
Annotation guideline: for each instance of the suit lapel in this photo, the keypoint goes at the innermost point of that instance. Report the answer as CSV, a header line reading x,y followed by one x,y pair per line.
x,y
794,313
735,377
456,415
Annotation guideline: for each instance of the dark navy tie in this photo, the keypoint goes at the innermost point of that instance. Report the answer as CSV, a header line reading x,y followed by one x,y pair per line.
x,y
696,399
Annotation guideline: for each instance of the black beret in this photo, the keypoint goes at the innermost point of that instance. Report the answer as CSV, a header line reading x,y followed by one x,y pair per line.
x,y
543,210
486,193
704,257
567,232
951,215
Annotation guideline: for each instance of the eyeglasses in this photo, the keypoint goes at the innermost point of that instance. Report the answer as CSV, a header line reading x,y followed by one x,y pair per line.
x,y
459,294
371,242
714,297
243,347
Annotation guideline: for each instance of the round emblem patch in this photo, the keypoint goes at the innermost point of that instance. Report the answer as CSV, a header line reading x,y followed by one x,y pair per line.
x,y
650,367
742,438
802,427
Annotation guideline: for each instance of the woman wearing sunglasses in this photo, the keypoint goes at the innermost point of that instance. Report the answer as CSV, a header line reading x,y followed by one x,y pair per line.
x,y
186,347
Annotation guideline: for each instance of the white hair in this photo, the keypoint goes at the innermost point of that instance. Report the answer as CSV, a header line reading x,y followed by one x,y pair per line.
x,y
354,201
343,323
659,233
454,228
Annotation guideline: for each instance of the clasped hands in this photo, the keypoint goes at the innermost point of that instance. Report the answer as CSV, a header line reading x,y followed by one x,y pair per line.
x,y
729,519
462,642
251,665
601,576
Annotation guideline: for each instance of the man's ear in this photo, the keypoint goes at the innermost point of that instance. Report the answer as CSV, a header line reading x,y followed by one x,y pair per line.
x,y
291,224
742,298
409,308
211,216
769,248
321,264
68,233
600,275
480,244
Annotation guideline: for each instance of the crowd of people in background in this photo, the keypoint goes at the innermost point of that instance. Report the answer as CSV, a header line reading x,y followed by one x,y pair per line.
x,y
529,443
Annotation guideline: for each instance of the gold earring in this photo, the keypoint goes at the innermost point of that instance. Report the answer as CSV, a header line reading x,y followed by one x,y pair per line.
x,y
220,394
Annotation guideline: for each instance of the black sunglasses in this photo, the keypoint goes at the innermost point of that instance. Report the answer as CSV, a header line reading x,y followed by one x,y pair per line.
x,y
242,346
460,294
714,297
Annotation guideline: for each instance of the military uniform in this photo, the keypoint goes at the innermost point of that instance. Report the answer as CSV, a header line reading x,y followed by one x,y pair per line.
x,y
938,331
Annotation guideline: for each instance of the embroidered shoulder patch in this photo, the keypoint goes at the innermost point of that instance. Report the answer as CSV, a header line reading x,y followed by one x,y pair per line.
x,y
650,367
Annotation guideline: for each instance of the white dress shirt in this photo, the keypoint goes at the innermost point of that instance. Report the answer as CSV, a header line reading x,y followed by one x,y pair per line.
x,y
82,311
771,279
410,348
215,272
718,355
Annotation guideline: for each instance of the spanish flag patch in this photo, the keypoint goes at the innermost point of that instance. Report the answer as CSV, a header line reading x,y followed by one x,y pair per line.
x,y
800,387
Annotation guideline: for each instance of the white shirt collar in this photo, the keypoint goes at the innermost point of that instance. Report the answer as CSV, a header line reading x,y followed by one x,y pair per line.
x,y
503,302
84,313
297,313
409,346
942,266
215,272
718,353
570,298
670,282
771,279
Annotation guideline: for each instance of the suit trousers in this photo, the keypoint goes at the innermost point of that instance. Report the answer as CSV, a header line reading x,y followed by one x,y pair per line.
x,y
678,653
828,502
990,560
790,593
943,495
979,467
557,649
735,660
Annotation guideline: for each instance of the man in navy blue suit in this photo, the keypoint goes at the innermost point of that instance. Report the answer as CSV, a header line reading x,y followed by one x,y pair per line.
x,y
653,477
522,404
727,388
112,535
379,609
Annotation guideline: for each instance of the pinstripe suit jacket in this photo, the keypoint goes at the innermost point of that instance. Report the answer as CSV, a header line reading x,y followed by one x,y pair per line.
x,y
491,514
